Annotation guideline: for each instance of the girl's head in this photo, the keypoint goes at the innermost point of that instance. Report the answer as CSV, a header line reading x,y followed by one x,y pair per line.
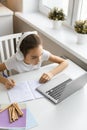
x,y
31,48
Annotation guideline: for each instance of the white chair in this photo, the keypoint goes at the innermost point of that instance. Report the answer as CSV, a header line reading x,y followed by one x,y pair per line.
x,y
8,45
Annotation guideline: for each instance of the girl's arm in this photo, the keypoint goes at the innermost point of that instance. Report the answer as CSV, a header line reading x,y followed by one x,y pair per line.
x,y
62,64
9,83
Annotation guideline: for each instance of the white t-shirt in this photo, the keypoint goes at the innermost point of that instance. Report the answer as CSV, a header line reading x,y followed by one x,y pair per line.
x,y
19,66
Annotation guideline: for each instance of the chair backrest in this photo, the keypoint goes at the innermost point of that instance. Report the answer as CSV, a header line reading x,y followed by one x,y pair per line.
x,y
8,45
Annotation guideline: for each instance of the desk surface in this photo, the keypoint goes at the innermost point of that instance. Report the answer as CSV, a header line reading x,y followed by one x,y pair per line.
x,y
71,114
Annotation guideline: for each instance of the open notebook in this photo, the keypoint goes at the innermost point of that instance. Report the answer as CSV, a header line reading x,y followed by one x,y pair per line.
x,y
24,91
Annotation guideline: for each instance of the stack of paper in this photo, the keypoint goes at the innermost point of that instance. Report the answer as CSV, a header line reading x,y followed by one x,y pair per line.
x,y
24,91
30,122
25,122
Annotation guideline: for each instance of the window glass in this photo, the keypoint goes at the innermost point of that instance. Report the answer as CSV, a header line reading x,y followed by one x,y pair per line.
x,y
84,10
57,3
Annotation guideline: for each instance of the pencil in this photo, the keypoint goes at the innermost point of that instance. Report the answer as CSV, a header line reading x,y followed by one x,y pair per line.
x,y
10,114
20,113
4,108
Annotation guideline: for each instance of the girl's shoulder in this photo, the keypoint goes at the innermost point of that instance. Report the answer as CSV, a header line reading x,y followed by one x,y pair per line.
x,y
45,55
46,52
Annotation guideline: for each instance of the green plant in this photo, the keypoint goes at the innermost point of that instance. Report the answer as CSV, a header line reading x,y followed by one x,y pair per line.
x,y
56,14
81,26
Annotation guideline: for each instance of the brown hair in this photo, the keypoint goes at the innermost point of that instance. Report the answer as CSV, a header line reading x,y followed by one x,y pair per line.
x,y
29,42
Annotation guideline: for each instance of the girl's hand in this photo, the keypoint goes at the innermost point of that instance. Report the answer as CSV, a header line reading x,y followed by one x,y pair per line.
x,y
46,77
9,83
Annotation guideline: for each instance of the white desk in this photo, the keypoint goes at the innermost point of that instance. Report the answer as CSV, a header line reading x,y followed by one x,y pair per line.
x,y
71,114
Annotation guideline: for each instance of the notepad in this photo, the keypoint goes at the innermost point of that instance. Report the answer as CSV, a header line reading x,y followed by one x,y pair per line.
x,y
5,123
24,123
24,91
30,121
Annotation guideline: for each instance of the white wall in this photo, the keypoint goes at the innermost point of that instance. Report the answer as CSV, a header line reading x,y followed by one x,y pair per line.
x,y
30,5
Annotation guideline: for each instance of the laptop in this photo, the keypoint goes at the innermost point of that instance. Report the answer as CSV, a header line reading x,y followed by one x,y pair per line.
x,y
61,87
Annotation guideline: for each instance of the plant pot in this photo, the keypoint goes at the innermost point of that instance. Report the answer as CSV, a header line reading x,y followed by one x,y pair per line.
x,y
56,24
81,38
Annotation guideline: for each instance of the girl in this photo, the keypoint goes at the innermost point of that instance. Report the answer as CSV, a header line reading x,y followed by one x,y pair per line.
x,y
30,56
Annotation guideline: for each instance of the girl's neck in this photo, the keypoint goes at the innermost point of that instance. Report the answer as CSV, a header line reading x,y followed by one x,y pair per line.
x,y
26,62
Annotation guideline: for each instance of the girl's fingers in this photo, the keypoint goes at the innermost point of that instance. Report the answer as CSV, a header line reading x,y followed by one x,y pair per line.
x,y
44,78
10,84
13,82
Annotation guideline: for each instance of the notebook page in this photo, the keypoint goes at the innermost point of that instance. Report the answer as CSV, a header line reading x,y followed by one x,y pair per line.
x,y
21,92
33,85
24,91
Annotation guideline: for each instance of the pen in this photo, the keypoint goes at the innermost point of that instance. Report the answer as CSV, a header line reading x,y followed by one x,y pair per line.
x,y
4,75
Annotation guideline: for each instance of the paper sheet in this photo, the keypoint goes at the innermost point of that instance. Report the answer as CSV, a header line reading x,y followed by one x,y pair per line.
x,y
24,91
30,121
33,85
4,120
24,123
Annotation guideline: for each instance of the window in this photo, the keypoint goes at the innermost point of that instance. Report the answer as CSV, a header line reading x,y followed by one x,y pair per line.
x,y
74,9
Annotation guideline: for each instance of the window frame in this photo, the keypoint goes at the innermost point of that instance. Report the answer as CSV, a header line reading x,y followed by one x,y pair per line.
x,y
76,10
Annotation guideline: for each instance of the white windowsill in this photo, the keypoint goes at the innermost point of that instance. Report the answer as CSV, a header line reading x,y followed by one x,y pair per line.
x,y
65,37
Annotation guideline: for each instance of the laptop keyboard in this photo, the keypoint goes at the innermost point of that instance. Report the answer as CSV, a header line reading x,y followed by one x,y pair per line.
x,y
56,91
